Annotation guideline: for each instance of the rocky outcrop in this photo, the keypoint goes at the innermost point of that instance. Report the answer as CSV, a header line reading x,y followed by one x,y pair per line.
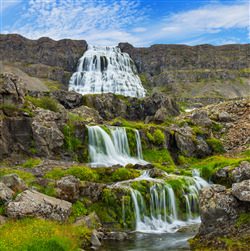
x,y
69,100
92,190
6,193
68,188
33,203
157,107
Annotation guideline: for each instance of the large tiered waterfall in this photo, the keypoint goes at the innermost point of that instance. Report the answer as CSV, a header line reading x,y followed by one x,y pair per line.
x,y
106,70
107,149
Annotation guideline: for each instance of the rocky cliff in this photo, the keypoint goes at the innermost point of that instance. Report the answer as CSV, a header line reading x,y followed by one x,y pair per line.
x,y
180,70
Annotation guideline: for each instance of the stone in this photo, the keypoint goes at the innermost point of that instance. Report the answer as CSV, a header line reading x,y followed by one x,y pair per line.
x,y
202,148
69,99
94,239
241,190
118,236
242,172
6,194
68,188
33,203
91,221
201,118
92,190
13,182
224,117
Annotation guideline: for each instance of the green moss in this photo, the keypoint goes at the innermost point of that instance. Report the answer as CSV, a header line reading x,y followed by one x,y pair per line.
x,y
158,156
217,127
55,174
32,162
124,174
10,108
27,177
157,137
215,145
83,173
42,235
78,209
131,141
2,209
45,102
243,219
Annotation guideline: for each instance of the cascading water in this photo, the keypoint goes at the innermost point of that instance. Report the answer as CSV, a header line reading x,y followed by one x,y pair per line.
x,y
113,149
160,213
106,70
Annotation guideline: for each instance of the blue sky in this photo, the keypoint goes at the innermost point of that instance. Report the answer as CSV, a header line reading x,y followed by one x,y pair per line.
x,y
139,22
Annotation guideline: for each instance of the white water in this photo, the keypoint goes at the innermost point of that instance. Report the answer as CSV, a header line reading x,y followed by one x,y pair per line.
x,y
106,70
108,150
162,216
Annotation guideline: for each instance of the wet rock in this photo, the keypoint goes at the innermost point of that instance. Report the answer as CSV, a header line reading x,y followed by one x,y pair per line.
x,y
242,190
68,188
6,193
95,240
33,203
242,172
143,167
13,182
118,236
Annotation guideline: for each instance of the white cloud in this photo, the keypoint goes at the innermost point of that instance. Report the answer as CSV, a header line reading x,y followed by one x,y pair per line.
x,y
139,29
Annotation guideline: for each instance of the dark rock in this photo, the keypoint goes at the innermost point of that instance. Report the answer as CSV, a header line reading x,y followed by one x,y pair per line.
x,y
201,118
33,203
118,236
92,190
224,117
68,188
68,99
242,172
13,182
241,190
202,148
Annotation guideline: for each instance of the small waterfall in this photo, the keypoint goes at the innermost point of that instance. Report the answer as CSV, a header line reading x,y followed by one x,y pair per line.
x,y
138,144
106,70
161,215
113,149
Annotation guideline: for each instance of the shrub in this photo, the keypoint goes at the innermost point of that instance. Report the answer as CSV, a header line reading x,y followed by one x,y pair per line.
x,y
215,145
78,209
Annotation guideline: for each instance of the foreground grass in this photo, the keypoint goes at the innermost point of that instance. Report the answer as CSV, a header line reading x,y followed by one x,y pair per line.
x,y
42,235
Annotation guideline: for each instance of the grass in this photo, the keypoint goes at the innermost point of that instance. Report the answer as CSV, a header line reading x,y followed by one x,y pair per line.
x,y
32,162
45,102
215,145
124,174
244,218
42,235
158,156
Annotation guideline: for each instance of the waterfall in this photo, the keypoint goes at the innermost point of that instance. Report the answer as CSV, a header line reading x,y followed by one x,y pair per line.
x,y
106,70
113,149
162,213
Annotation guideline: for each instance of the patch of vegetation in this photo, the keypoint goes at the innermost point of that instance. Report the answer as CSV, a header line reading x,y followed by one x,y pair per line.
x,y
157,137
32,162
45,102
78,209
124,173
53,85
83,173
10,108
27,177
42,235
158,156
243,219
55,174
215,145
2,209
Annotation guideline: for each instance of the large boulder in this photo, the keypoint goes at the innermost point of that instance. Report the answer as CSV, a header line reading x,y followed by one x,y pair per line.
x,y
13,182
241,190
242,172
6,193
201,118
68,188
33,203
69,99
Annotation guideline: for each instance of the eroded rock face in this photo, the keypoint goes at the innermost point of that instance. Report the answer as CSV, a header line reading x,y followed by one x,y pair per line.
x,y
68,188
241,190
33,203
13,182
46,134
69,100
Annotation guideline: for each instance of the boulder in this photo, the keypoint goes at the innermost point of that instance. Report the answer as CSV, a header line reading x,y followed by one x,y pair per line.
x,y
241,190
68,188
6,193
92,190
201,118
13,182
91,221
118,236
202,148
242,172
69,99
224,117
95,240
33,203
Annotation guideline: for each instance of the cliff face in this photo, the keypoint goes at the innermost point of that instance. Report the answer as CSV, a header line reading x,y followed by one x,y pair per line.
x,y
42,58
180,70
194,71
